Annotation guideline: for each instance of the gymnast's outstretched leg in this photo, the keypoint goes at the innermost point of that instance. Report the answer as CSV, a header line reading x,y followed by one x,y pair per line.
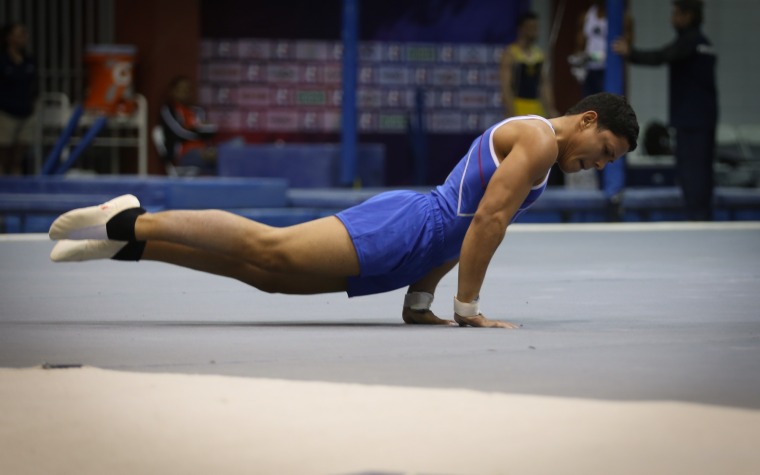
x,y
218,264
321,247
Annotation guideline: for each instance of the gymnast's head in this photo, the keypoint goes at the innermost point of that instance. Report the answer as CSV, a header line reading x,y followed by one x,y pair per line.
x,y
614,113
598,130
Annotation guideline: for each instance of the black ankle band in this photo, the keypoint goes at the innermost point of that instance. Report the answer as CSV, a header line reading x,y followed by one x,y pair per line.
x,y
122,226
133,251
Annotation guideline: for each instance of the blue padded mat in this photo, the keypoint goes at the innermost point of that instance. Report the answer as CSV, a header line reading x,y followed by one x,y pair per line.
x,y
303,165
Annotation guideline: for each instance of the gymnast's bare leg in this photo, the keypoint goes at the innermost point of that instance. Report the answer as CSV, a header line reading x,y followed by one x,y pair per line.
x,y
321,247
222,265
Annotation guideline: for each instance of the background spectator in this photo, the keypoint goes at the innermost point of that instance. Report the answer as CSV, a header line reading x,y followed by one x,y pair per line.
x,y
693,101
589,65
18,93
525,82
187,137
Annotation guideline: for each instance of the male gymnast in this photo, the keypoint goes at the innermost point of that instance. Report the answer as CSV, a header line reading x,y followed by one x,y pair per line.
x,y
393,240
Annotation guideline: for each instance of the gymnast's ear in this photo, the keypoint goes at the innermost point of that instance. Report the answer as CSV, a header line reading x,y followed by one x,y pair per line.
x,y
588,119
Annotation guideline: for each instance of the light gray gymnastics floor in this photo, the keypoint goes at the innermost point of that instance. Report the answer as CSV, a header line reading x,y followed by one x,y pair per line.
x,y
645,312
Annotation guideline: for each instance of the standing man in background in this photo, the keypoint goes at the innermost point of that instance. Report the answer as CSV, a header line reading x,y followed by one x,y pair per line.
x,y
693,101
591,46
590,57
589,65
525,85
18,94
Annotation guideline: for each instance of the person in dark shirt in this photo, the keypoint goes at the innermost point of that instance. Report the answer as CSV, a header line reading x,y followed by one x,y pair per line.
x,y
693,100
18,93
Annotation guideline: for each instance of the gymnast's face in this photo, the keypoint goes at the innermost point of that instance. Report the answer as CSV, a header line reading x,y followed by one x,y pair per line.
x,y
591,147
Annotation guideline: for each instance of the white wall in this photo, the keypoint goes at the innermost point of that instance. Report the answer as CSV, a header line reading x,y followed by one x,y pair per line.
x,y
543,9
733,25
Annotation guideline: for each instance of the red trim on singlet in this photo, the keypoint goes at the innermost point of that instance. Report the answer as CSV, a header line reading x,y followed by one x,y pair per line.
x,y
480,164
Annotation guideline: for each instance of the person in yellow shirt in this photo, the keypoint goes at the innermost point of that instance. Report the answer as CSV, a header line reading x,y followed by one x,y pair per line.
x,y
525,85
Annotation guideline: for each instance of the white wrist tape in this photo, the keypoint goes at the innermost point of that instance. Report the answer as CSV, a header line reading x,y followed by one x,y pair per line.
x,y
419,301
471,309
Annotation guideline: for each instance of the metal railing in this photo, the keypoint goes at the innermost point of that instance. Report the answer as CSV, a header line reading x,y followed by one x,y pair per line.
x,y
59,31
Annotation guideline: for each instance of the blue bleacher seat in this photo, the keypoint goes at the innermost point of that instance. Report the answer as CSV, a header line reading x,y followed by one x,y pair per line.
x,y
30,204
220,193
562,205
737,203
653,204
335,198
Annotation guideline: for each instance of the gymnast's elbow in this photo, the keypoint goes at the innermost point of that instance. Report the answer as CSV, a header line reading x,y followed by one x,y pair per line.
x,y
490,224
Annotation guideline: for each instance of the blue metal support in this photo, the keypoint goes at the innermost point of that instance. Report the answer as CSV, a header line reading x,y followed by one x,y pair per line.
x,y
613,77
348,119
89,136
54,157
613,180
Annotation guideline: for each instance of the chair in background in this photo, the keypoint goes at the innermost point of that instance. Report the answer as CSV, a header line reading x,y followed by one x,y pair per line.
x,y
159,142
737,159
749,134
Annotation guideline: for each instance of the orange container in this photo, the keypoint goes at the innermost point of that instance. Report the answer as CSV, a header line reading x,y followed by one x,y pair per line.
x,y
109,78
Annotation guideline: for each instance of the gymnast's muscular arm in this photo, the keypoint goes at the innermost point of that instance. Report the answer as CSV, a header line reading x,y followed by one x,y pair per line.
x,y
428,284
527,150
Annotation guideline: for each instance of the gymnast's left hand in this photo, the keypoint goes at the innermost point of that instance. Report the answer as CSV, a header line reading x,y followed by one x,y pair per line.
x,y
427,317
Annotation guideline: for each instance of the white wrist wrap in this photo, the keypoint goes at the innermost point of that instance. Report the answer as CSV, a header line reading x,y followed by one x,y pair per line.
x,y
418,301
471,309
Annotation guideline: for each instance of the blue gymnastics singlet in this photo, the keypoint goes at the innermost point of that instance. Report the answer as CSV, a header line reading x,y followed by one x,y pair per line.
x,y
400,236
460,194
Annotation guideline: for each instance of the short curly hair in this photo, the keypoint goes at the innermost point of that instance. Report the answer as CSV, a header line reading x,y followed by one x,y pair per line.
x,y
615,114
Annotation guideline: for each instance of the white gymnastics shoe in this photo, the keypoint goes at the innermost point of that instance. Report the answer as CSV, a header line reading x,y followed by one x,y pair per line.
x,y
90,222
85,250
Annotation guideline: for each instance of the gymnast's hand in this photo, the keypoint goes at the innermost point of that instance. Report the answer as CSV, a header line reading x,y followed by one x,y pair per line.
x,y
426,317
482,321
